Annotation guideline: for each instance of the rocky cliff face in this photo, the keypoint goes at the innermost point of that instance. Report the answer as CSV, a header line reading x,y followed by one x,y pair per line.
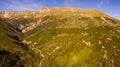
x,y
29,20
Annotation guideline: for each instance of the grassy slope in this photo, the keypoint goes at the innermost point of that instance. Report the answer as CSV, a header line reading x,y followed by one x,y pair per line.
x,y
85,43
79,47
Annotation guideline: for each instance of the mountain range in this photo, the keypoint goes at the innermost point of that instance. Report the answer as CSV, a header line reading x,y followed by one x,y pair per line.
x,y
59,37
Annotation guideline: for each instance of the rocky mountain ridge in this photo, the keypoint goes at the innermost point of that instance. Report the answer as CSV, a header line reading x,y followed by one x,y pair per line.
x,y
22,19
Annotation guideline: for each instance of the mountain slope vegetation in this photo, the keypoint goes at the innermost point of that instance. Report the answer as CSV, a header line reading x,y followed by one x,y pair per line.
x,y
59,37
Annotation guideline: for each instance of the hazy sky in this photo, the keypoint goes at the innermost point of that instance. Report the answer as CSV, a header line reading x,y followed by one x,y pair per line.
x,y
111,7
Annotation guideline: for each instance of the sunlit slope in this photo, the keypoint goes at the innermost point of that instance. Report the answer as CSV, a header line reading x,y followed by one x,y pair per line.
x,y
97,46
70,40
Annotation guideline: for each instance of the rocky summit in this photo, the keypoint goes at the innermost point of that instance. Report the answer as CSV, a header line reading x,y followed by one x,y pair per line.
x,y
59,37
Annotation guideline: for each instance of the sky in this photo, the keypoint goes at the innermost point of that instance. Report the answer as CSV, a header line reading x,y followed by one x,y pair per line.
x,y
110,7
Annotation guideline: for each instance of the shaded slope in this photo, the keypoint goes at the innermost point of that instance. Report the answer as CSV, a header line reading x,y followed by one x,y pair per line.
x,y
12,51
